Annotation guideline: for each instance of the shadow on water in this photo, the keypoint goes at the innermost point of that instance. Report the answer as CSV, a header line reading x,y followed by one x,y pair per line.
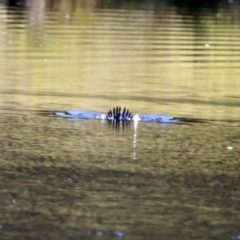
x,y
188,6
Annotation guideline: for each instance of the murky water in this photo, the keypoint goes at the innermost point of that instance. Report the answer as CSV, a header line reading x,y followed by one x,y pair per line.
x,y
84,179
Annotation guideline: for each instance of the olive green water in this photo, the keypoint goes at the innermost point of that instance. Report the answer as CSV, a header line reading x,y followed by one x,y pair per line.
x,y
83,179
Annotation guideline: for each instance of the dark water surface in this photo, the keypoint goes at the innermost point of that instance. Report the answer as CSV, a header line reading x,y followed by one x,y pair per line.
x,y
83,179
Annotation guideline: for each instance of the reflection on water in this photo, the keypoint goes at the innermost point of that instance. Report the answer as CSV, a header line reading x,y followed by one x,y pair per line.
x,y
153,62
68,177
86,179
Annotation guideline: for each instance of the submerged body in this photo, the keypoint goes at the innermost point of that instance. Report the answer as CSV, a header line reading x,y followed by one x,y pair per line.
x,y
124,116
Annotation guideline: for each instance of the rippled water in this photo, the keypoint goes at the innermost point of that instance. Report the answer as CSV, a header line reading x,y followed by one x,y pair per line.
x,y
85,179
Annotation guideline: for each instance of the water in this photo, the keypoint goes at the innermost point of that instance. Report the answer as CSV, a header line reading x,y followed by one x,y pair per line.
x,y
84,179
